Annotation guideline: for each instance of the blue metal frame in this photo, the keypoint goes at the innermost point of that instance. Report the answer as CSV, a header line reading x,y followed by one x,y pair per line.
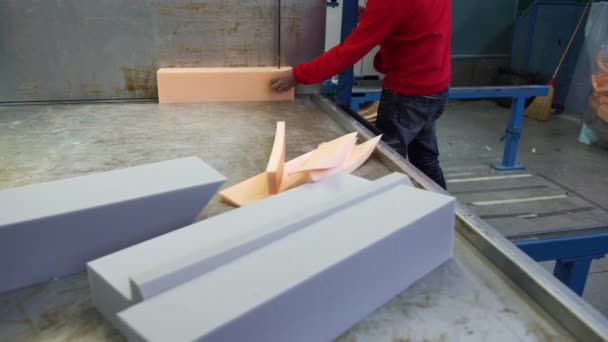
x,y
350,14
512,135
573,254
496,92
514,125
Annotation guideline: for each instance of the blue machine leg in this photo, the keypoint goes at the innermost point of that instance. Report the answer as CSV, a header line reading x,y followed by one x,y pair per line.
x,y
573,273
350,12
512,135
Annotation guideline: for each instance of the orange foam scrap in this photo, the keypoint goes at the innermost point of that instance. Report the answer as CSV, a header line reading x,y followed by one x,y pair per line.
x,y
256,188
330,154
360,154
356,158
192,85
276,163
247,191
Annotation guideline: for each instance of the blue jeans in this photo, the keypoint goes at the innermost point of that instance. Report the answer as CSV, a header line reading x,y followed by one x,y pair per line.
x,y
408,124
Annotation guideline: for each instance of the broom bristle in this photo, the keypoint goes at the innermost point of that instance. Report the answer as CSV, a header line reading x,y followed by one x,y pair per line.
x,y
540,108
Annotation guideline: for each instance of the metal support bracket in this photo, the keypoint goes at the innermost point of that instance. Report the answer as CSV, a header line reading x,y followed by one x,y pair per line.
x,y
573,254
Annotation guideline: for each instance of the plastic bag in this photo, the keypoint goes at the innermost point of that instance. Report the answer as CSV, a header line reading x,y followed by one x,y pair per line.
x,y
599,79
595,118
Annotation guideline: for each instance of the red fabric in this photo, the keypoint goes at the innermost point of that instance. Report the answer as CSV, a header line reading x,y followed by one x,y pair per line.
x,y
414,38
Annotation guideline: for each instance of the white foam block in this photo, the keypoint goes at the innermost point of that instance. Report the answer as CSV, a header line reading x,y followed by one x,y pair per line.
x,y
223,241
53,229
313,284
155,260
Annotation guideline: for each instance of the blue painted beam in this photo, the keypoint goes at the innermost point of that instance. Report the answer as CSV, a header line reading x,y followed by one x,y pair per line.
x,y
496,92
481,92
566,247
573,254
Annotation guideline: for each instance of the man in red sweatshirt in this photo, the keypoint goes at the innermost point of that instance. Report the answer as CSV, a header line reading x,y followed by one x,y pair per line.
x,y
414,38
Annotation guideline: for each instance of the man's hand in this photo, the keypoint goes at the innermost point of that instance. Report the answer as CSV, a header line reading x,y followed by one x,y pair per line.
x,y
284,81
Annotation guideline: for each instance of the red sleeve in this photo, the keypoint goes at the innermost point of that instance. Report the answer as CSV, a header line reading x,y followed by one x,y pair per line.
x,y
377,22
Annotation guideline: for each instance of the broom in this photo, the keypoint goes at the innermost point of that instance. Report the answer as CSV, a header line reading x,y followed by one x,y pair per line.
x,y
540,108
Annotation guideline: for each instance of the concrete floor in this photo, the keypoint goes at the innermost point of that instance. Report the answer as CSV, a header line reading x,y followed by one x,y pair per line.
x,y
557,165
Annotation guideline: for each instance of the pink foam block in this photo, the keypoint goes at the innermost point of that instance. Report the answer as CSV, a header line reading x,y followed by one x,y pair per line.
x,y
182,85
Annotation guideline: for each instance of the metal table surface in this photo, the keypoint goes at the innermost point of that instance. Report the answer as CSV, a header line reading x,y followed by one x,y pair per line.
x,y
468,298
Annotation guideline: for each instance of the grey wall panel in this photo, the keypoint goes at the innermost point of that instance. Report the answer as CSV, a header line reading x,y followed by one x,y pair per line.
x,y
88,49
